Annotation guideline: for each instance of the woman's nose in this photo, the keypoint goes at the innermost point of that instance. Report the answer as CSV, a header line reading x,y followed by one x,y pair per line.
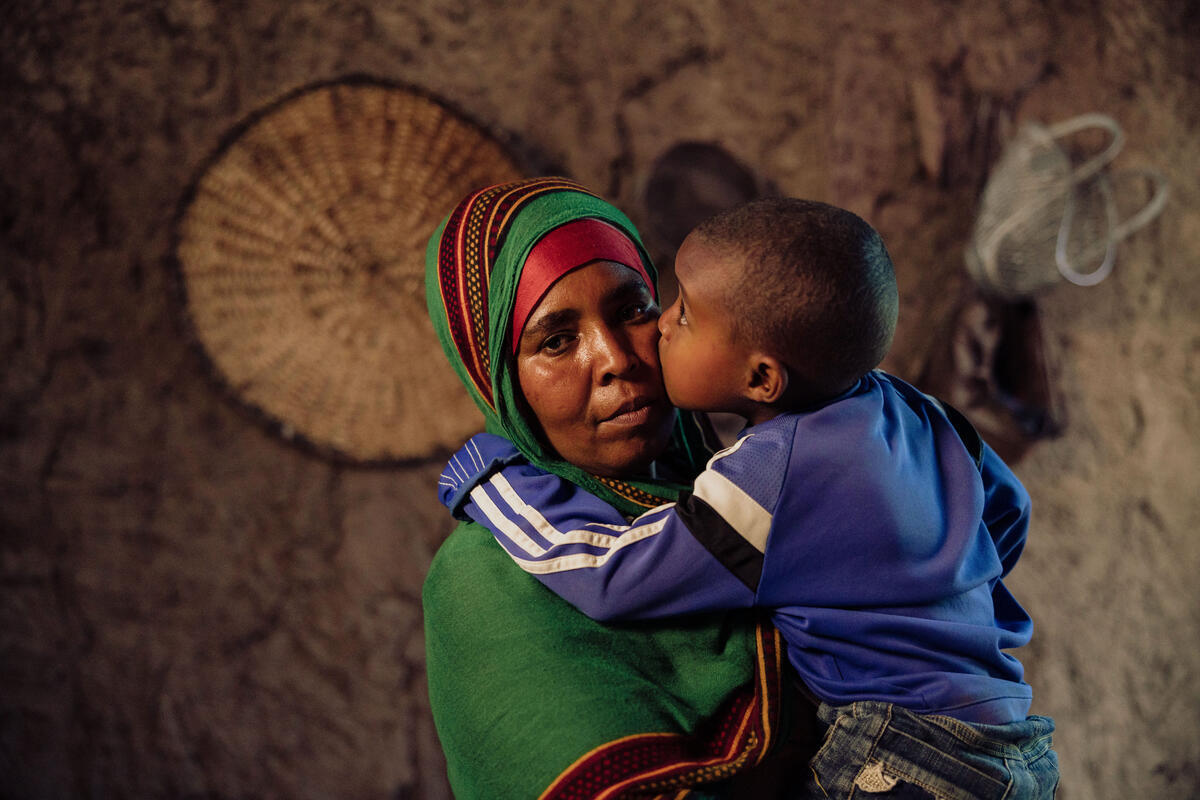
x,y
614,354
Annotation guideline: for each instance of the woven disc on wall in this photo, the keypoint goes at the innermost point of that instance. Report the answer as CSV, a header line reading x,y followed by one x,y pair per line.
x,y
301,255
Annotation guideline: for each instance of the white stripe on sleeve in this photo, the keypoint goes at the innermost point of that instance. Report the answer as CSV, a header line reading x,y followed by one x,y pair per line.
x,y
740,510
584,560
505,526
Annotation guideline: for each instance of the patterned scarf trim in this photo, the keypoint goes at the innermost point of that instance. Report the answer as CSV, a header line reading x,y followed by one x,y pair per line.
x,y
668,763
473,235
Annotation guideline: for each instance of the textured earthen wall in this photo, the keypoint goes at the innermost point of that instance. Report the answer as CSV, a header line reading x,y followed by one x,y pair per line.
x,y
191,607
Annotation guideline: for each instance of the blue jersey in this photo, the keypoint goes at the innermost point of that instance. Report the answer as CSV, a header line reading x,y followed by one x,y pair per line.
x,y
867,528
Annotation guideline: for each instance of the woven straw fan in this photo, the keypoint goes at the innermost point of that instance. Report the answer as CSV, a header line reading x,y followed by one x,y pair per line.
x,y
301,259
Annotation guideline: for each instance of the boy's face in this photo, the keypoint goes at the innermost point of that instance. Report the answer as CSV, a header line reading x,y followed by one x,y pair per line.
x,y
704,368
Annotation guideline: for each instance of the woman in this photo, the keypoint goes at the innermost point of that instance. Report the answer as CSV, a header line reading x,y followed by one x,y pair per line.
x,y
543,299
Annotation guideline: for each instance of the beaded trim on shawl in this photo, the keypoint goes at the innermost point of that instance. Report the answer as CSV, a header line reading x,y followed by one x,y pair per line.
x,y
630,492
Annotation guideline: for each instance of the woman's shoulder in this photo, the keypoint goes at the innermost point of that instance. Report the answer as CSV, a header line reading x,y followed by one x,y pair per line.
x,y
469,559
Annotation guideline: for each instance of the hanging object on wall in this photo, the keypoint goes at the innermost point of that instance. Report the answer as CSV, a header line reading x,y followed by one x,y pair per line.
x,y
689,183
300,257
1044,218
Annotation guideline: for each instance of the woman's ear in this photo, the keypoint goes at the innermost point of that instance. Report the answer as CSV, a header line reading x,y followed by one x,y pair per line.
x,y
768,379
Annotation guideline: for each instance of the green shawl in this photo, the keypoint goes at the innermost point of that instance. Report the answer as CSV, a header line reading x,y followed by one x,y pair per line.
x,y
530,697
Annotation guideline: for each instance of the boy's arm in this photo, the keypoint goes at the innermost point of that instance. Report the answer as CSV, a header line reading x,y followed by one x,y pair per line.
x,y
1005,501
1006,509
585,551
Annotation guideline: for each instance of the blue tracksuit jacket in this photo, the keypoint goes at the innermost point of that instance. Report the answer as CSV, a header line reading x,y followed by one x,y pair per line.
x,y
875,536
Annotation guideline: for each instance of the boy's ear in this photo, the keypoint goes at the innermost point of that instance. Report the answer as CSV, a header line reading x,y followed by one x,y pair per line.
x,y
768,379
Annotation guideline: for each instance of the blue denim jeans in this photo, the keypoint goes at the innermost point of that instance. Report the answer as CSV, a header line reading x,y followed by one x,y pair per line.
x,y
879,750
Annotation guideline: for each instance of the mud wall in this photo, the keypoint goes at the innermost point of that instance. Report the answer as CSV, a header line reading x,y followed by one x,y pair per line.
x,y
190,606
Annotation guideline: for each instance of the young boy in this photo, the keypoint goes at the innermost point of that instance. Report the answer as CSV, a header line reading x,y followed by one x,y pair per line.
x,y
869,518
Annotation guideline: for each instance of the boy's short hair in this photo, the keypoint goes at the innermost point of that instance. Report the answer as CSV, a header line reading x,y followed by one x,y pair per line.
x,y
816,288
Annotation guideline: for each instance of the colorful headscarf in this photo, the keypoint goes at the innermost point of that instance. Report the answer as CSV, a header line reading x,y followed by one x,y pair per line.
x,y
563,249
530,697
473,267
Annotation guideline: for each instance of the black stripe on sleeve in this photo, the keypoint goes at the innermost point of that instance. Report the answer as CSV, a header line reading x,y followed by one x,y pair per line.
x,y
966,431
721,539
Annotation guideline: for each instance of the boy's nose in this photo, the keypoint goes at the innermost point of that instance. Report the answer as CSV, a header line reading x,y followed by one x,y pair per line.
x,y
662,321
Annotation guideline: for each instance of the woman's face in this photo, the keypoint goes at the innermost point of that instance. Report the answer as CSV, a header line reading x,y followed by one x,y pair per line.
x,y
587,363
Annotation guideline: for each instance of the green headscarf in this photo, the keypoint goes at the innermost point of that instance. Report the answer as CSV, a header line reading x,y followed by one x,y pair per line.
x,y
530,697
473,265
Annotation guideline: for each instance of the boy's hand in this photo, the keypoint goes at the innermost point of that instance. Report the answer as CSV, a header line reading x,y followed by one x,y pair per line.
x,y
482,455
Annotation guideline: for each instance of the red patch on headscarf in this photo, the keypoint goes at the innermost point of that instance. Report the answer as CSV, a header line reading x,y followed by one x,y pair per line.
x,y
563,249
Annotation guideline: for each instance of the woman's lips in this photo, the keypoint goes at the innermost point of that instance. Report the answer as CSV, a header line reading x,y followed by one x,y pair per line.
x,y
633,413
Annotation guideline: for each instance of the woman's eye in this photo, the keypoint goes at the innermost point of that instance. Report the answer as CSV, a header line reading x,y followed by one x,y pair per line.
x,y
636,312
682,315
555,344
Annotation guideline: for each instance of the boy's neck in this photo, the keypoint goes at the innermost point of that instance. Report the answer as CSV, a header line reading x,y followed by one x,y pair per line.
x,y
791,403
763,413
